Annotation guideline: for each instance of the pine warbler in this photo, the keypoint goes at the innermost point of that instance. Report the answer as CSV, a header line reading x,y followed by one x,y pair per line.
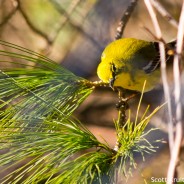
x,y
129,62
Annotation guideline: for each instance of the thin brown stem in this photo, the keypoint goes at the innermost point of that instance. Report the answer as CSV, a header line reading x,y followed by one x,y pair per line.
x,y
124,19
164,13
155,37
122,106
29,23
175,143
67,15
163,71
177,94
95,83
10,15
68,19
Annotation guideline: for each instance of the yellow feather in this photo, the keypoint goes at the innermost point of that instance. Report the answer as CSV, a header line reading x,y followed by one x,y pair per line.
x,y
128,57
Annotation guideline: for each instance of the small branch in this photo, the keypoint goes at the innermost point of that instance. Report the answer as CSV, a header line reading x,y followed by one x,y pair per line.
x,y
51,39
10,15
176,143
155,37
163,71
67,15
122,106
164,13
94,84
67,19
177,94
35,29
124,19
153,18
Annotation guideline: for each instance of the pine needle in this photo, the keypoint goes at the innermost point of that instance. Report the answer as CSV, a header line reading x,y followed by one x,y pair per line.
x,y
42,89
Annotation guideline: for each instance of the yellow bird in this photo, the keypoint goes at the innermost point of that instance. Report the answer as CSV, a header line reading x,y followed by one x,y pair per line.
x,y
129,62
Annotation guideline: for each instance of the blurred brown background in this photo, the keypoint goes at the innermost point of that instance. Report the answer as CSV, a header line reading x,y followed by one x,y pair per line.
x,y
74,33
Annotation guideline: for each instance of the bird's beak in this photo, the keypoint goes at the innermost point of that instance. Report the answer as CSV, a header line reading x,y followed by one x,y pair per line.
x,y
111,82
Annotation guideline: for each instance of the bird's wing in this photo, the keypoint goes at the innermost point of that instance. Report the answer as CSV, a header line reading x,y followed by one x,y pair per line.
x,y
152,65
155,63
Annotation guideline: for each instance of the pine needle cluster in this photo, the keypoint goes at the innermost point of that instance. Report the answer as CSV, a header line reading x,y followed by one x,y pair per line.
x,y
40,140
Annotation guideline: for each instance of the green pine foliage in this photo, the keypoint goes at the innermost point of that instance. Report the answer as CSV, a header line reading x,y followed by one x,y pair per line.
x,y
40,140
40,89
48,153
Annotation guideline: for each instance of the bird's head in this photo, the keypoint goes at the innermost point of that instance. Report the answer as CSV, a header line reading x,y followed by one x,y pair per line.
x,y
109,69
112,64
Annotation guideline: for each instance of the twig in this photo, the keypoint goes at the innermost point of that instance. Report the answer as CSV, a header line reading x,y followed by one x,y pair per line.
x,y
177,94
154,36
164,13
94,84
67,15
34,28
10,15
124,19
51,39
123,102
122,107
163,71
72,23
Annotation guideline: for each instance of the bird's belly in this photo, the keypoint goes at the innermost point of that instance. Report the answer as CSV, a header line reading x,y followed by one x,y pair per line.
x,y
136,80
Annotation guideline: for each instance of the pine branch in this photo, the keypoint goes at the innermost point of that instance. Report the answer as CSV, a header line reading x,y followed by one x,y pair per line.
x,y
49,148
131,139
45,89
